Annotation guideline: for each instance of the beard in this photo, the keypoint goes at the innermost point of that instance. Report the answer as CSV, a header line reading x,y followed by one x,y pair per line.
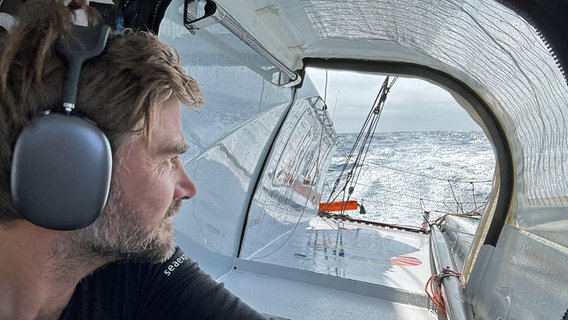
x,y
118,233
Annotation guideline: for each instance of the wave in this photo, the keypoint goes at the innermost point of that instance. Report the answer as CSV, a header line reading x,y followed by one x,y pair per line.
x,y
406,173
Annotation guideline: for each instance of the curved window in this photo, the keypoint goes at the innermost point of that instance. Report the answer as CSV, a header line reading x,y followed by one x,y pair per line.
x,y
426,153
433,154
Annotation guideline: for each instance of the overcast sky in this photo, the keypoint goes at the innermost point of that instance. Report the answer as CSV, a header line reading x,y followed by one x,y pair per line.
x,y
412,104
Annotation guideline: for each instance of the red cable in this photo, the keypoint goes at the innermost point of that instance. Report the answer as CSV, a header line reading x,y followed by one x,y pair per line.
x,y
433,288
435,294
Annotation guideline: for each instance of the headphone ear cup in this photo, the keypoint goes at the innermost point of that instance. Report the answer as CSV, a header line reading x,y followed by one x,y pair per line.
x,y
61,172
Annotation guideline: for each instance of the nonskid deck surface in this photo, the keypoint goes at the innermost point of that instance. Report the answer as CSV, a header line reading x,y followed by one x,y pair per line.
x,y
298,300
331,269
388,257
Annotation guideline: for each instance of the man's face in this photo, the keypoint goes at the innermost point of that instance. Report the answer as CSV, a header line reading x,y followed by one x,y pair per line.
x,y
149,184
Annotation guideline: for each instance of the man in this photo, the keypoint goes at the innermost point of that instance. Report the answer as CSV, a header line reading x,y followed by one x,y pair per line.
x,y
124,265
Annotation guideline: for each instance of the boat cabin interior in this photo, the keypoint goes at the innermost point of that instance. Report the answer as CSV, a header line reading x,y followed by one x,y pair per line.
x,y
263,141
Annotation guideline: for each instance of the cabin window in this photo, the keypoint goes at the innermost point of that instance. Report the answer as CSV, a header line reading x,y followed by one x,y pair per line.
x,y
295,150
426,154
426,158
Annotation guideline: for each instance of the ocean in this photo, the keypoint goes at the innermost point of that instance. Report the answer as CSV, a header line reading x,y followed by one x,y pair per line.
x,y
405,173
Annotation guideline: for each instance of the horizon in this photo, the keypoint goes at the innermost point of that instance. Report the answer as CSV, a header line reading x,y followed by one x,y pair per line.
x,y
412,104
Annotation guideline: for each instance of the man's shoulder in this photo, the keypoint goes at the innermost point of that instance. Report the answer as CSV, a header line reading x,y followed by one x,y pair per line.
x,y
130,269
126,287
176,288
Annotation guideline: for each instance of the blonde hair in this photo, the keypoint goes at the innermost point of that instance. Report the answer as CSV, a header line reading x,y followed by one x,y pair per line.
x,y
118,90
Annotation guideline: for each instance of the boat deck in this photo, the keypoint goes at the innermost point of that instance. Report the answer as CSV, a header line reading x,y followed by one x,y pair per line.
x,y
330,269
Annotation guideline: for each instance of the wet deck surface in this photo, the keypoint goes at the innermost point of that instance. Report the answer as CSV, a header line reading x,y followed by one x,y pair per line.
x,y
338,270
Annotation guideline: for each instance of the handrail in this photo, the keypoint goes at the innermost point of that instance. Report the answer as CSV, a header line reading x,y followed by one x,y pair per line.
x,y
198,17
451,285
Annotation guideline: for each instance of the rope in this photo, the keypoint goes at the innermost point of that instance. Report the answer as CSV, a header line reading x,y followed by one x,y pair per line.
x,y
419,197
428,176
441,219
458,204
433,287
361,145
473,193
325,88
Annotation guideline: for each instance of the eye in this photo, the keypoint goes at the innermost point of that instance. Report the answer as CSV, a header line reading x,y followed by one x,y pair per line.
x,y
174,161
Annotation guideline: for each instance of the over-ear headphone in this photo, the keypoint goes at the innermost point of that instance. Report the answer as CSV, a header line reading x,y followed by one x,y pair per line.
x,y
62,163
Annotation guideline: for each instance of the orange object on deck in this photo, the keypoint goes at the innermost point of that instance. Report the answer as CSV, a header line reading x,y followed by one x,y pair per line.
x,y
338,205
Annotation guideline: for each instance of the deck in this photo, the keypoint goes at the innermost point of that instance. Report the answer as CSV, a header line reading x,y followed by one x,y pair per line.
x,y
329,269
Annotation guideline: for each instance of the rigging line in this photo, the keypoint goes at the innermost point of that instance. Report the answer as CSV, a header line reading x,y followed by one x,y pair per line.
x,y
367,132
374,116
319,152
368,138
445,202
335,185
415,208
369,116
447,205
459,206
433,210
291,231
473,194
342,192
423,205
356,143
427,198
332,193
318,158
325,88
415,196
335,105
438,221
474,209
477,209
329,201
355,170
427,176
365,151
343,168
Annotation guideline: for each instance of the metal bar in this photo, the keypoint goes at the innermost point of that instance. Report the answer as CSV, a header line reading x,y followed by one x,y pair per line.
x,y
451,285
213,13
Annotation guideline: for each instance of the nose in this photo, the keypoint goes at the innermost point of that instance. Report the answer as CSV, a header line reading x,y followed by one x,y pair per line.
x,y
185,187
